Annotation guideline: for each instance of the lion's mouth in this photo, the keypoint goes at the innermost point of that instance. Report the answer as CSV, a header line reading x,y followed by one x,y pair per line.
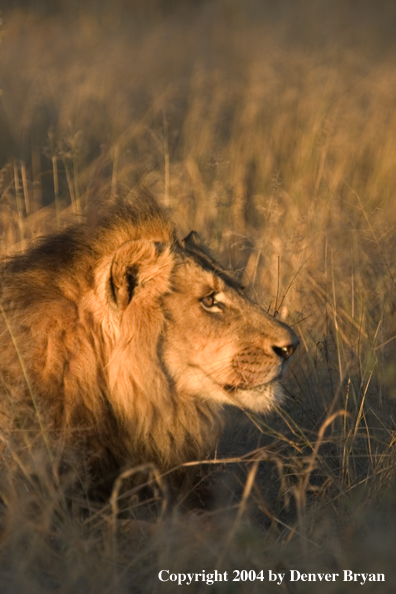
x,y
241,388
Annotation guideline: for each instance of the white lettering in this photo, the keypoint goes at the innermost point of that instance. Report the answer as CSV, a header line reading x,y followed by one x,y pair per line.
x,y
187,579
160,575
364,578
276,577
294,575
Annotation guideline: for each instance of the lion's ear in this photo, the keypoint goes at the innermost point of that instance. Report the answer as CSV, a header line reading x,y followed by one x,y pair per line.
x,y
192,239
123,284
133,264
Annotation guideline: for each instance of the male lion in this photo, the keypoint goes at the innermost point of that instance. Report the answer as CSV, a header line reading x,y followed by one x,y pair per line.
x,y
127,343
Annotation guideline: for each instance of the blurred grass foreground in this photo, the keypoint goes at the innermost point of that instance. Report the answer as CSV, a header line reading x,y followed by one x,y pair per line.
x,y
270,127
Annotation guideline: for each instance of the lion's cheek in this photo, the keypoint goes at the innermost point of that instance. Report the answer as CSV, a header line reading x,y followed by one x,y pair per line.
x,y
196,384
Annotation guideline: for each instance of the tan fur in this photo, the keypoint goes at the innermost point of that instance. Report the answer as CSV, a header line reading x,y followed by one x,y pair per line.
x,y
109,334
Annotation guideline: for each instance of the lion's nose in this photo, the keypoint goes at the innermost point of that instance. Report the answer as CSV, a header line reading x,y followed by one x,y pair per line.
x,y
284,352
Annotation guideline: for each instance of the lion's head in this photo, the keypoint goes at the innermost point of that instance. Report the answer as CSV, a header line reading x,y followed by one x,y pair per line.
x,y
218,343
135,338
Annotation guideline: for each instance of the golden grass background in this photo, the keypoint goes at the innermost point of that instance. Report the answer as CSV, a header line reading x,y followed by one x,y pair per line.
x,y
270,129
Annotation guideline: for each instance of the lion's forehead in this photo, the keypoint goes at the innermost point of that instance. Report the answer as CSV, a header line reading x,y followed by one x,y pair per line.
x,y
205,263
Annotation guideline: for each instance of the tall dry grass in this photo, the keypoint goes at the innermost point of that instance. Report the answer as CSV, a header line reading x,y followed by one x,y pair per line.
x,y
275,137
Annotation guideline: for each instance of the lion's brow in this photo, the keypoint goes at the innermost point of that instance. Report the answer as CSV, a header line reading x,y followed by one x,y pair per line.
x,y
209,264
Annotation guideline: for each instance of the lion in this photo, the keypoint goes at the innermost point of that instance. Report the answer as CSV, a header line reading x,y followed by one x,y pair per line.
x,y
129,343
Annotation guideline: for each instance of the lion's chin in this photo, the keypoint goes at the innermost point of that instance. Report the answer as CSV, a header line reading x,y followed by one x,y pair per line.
x,y
260,399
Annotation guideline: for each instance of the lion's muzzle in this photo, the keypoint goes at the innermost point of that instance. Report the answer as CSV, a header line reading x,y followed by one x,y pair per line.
x,y
255,365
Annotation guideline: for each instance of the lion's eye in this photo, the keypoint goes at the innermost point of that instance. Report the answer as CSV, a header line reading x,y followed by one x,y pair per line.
x,y
213,302
209,301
